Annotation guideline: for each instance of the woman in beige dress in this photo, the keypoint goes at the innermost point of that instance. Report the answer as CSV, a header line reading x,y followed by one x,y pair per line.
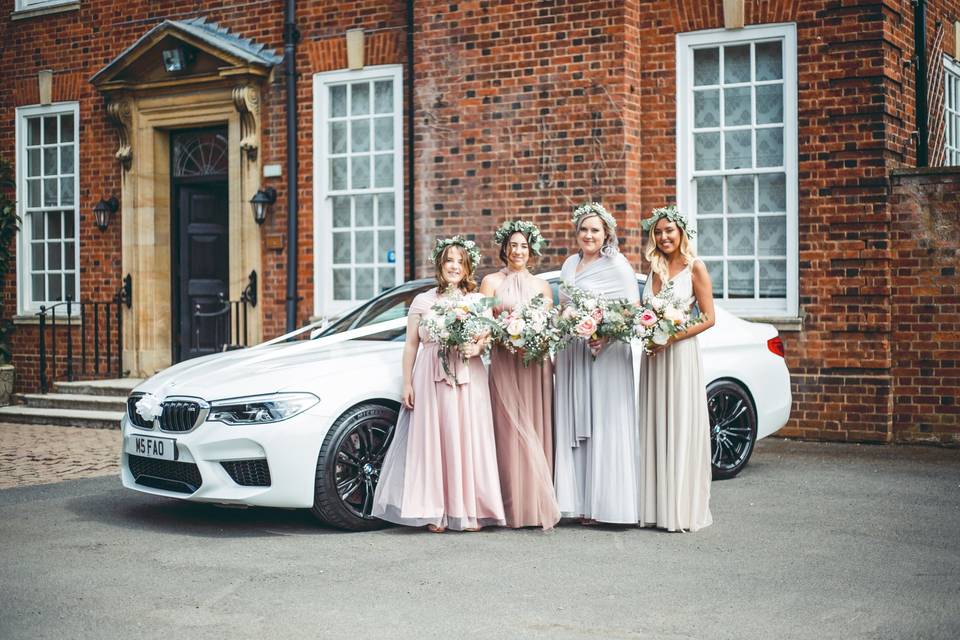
x,y
522,396
675,468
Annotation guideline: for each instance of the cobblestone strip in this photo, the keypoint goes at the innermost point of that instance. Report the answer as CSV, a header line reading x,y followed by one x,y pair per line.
x,y
35,454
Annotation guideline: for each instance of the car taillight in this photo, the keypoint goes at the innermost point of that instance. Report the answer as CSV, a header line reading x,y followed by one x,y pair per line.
x,y
776,346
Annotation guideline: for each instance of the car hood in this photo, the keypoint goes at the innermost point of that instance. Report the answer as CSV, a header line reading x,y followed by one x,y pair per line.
x,y
296,366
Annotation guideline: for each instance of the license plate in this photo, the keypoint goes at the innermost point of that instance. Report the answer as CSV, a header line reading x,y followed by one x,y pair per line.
x,y
150,447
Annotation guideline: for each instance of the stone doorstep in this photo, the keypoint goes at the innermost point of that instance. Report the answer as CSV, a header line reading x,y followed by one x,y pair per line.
x,y
71,401
61,417
119,387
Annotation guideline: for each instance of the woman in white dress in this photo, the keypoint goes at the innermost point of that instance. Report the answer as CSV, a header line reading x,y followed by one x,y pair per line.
x,y
596,472
674,423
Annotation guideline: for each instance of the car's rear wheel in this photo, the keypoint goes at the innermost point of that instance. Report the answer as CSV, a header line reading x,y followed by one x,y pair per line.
x,y
733,428
348,466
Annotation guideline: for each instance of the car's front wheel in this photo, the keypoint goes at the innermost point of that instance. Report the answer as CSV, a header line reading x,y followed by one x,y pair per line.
x,y
733,427
348,466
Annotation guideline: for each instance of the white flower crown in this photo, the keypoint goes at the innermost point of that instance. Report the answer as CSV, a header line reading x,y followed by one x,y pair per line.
x,y
473,253
529,230
593,209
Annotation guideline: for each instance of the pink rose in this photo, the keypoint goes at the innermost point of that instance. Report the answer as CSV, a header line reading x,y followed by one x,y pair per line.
x,y
648,318
597,314
586,327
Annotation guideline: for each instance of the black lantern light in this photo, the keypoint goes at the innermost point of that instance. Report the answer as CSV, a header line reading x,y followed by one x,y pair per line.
x,y
261,201
103,210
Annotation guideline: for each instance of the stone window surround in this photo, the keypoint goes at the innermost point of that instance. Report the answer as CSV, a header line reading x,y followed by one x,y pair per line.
x,y
24,10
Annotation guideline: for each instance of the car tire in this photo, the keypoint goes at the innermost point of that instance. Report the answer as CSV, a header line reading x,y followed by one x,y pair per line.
x,y
733,427
348,466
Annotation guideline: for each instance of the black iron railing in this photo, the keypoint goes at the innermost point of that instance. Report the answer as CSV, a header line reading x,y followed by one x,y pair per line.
x,y
225,328
98,324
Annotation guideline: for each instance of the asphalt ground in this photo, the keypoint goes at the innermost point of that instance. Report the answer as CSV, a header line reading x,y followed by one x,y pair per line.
x,y
810,541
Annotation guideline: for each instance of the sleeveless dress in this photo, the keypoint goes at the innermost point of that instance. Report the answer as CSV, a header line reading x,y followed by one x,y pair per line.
x,y
522,399
675,429
441,468
598,451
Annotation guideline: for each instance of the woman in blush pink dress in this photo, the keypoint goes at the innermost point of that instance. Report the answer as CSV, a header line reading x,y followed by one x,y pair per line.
x,y
441,469
522,396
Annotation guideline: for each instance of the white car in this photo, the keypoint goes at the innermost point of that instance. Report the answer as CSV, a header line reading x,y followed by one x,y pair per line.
x,y
306,423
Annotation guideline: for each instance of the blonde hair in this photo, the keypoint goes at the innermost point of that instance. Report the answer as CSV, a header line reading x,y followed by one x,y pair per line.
x,y
658,261
469,283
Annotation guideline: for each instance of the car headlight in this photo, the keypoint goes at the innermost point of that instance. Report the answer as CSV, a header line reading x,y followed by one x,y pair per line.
x,y
261,409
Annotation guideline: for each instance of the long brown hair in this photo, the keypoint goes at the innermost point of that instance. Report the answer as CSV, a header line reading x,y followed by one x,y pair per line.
x,y
468,284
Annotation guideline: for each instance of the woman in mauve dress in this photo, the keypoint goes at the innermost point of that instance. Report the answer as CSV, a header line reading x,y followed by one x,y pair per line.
x,y
597,461
675,469
522,396
441,469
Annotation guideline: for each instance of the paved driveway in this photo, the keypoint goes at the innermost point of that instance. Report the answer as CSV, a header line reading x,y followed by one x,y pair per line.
x,y
811,541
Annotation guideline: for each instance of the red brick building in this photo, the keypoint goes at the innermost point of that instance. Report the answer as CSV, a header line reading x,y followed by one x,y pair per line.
x,y
793,140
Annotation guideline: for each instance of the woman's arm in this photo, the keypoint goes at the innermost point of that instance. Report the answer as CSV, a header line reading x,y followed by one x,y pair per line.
x,y
488,287
547,292
410,346
703,292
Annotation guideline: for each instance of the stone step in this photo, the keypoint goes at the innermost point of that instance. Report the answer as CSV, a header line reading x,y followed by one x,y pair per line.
x,y
119,387
61,417
72,401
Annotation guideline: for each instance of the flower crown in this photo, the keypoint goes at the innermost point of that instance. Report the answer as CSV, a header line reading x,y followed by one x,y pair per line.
x,y
593,209
469,246
672,214
529,230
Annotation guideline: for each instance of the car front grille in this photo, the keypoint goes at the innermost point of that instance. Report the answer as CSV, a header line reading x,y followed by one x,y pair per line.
x,y
181,415
249,473
135,417
181,477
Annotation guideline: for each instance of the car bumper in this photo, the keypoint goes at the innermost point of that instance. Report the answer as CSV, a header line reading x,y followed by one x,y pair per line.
x,y
289,449
773,397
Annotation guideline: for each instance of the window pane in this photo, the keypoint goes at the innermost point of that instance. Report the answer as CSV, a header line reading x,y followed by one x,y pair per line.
x,y
736,106
37,261
773,236
68,225
773,192
69,257
338,101
769,60
70,288
54,287
33,163
773,278
33,193
710,236
338,137
341,211
38,284
715,268
53,256
383,102
769,103
738,149
360,172
740,278
33,131
736,63
383,170
66,159
706,151
66,127
359,99
706,108
710,194
50,161
36,226
387,277
364,283
341,247
706,66
364,211
338,173
385,241
365,247
740,236
360,135
50,198
342,285
66,191
50,130
740,194
385,215
383,134
770,147
53,225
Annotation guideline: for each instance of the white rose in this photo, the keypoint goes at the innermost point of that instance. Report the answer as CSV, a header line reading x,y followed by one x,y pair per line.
x,y
660,336
657,303
589,304
516,326
673,314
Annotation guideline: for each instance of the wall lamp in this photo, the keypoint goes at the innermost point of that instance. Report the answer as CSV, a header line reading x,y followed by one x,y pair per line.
x,y
261,202
103,210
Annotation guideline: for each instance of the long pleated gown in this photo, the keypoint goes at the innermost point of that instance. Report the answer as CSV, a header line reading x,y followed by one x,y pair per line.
x,y
441,468
521,398
674,430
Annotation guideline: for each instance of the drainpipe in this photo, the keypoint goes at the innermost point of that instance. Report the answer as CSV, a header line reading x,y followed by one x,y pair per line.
x,y
411,236
920,45
290,38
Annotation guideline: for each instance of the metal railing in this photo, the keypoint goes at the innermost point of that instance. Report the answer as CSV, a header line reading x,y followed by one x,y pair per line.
x,y
101,321
229,321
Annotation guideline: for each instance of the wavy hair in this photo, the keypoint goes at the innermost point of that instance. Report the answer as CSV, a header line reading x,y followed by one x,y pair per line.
x,y
610,245
656,258
469,282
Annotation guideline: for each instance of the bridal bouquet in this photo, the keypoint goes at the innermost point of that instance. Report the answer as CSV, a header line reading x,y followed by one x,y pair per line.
x,y
662,318
530,329
592,317
458,320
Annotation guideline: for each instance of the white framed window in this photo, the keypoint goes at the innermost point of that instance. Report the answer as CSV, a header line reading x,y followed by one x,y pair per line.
x,y
358,171
737,162
48,182
29,5
951,110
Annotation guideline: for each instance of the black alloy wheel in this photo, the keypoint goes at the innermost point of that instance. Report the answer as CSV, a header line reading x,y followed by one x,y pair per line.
x,y
348,466
733,428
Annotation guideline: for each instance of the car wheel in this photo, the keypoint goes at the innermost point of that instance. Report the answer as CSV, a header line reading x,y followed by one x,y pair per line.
x,y
348,466
733,428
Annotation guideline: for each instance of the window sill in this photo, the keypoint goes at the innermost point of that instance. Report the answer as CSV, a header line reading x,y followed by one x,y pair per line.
x,y
782,323
34,320
25,14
